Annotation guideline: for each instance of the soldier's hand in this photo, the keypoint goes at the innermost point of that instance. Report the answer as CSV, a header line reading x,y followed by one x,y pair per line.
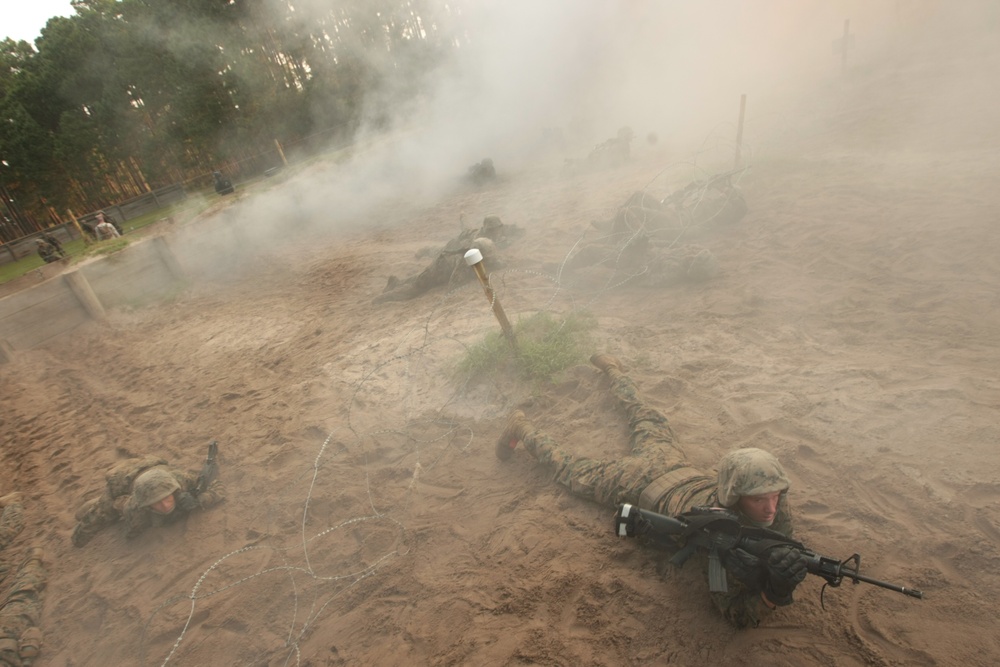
x,y
187,502
786,568
746,568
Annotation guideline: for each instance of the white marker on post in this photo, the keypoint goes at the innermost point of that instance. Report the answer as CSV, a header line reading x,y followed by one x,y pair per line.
x,y
474,258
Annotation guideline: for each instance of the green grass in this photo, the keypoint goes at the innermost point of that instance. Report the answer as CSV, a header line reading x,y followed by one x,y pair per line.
x,y
77,249
546,346
107,247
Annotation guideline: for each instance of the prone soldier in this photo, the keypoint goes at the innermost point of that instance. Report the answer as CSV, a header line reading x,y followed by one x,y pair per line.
x,y
656,476
21,607
146,491
449,266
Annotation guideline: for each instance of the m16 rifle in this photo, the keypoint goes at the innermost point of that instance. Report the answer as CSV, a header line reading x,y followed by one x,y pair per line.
x,y
209,471
717,531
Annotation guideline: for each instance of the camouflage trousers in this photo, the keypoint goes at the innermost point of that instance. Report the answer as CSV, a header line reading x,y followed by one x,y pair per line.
x,y
21,609
653,451
11,523
94,516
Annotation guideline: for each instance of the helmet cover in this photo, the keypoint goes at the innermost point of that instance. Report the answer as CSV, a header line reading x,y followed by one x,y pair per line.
x,y
749,472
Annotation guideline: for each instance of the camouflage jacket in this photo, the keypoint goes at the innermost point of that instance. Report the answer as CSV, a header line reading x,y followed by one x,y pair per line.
x,y
11,524
138,519
121,477
740,606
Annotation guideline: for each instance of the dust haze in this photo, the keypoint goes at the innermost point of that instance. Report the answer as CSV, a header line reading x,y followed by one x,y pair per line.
x,y
531,85
852,331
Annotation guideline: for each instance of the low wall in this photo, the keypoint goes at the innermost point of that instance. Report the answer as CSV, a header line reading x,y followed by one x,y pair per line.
x,y
141,273
215,248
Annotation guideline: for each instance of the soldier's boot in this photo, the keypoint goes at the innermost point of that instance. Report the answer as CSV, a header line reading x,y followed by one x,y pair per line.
x,y
35,553
607,363
9,651
30,645
515,431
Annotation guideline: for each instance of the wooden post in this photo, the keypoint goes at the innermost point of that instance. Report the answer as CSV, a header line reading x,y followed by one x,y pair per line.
x,y
76,223
281,153
474,258
85,293
739,132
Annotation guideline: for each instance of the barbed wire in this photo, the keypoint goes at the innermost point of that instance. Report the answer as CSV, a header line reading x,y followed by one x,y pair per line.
x,y
528,289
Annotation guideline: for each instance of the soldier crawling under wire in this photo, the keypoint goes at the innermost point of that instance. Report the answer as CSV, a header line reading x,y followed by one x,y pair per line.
x,y
146,491
641,241
449,266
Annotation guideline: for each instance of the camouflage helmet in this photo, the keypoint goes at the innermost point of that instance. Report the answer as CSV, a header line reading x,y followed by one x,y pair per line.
x,y
492,222
152,486
749,472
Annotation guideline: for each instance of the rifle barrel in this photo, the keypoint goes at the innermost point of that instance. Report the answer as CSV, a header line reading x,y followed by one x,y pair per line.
x,y
854,576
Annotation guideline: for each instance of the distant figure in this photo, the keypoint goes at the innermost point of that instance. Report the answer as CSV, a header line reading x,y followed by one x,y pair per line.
x,y
449,264
54,242
88,229
117,225
47,251
634,259
712,202
104,229
482,172
613,152
223,185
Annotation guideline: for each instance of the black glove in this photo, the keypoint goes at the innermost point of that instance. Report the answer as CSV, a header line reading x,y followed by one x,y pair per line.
x,y
187,502
746,569
786,568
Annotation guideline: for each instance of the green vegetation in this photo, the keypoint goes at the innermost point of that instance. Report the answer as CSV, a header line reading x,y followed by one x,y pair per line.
x,y
130,95
19,268
107,247
77,249
546,346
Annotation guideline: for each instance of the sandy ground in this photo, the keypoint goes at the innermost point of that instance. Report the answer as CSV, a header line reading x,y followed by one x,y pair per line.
x,y
852,331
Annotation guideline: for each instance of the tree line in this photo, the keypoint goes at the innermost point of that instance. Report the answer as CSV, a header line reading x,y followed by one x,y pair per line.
x,y
130,95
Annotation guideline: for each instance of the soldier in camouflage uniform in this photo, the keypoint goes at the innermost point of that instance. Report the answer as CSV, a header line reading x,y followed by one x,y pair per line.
x,y
21,607
656,476
700,205
144,492
46,251
615,151
449,265
633,257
